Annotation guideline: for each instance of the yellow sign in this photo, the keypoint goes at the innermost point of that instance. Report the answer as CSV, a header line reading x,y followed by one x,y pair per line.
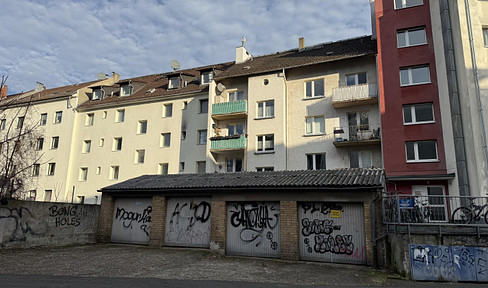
x,y
335,213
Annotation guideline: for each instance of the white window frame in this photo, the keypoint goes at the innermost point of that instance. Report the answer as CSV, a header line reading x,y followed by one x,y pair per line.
x,y
119,115
356,78
167,110
202,141
124,92
114,172
142,127
86,146
416,152
314,124
206,78
407,37
422,199
51,169
54,142
40,143
262,139
414,115
36,169
235,128
83,174
404,4
99,170
361,156
90,119
312,87
163,168
174,82
264,105
232,168
58,117
140,156
104,115
97,94
314,160
101,142
3,123
115,144
43,120
485,36
410,71
236,95
165,140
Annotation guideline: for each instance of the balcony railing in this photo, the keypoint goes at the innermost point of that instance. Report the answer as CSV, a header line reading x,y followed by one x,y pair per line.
x,y
354,95
421,209
353,135
229,109
235,142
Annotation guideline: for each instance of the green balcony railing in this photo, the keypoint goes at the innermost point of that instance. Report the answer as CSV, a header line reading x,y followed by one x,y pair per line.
x,y
239,106
227,143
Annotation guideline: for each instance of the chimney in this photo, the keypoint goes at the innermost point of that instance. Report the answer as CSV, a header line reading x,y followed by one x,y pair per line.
x,y
3,92
373,19
241,53
301,43
39,87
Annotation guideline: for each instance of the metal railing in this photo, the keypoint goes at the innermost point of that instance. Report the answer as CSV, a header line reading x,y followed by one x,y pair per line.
x,y
418,209
357,132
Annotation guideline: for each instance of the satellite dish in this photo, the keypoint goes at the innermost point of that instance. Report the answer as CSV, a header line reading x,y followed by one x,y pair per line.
x,y
175,64
220,88
102,76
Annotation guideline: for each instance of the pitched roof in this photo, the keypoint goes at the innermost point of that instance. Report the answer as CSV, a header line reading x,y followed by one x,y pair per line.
x,y
321,53
335,178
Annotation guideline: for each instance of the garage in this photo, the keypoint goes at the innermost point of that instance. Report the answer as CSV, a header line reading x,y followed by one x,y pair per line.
x,y
131,220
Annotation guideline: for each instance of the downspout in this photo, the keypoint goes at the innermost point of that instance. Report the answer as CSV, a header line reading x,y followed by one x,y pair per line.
x,y
286,120
476,80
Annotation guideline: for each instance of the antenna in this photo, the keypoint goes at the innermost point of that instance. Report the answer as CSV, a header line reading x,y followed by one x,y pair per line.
x,y
220,88
175,64
102,76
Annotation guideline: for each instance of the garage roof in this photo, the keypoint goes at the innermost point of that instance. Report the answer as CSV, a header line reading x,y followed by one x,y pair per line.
x,y
335,178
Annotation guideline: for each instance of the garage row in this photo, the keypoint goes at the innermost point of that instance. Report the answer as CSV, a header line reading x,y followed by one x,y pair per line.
x,y
320,223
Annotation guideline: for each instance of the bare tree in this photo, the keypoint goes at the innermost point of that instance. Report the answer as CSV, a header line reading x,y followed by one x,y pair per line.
x,y
18,140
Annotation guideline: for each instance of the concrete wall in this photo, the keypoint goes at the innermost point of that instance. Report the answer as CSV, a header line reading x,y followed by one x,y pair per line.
x,y
30,224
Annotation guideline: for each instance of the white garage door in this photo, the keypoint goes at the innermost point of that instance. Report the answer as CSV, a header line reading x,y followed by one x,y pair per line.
x,y
132,220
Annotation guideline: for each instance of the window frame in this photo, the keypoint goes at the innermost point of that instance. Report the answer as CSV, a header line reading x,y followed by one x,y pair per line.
x,y
122,90
264,109
36,169
20,122
86,146
313,132
200,134
83,174
90,119
234,125
40,143
201,163
43,120
202,78
163,140
361,155
97,94
410,75
484,31
264,169
3,124
51,169
262,138
114,172
167,107
356,78
140,156
202,105
407,37
234,166
171,82
120,116
237,93
314,161
312,87
416,152
54,142
163,168
58,117
405,5
413,114
141,127
117,144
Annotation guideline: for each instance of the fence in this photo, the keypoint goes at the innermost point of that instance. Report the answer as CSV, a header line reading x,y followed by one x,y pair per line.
x,y
442,209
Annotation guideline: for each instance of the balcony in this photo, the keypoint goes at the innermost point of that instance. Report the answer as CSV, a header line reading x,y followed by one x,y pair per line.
x,y
357,135
228,143
354,95
229,110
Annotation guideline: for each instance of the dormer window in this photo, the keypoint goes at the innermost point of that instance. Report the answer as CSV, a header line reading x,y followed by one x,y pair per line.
x,y
206,78
97,94
125,90
174,83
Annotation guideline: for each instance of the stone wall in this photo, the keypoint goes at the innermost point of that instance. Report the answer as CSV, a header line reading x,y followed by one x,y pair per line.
x,y
28,224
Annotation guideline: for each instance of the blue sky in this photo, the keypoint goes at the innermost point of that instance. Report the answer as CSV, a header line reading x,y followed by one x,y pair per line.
x,y
67,42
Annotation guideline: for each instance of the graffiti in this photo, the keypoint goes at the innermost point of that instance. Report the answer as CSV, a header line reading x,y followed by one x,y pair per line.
x,y
24,223
323,207
201,212
254,215
188,223
65,215
128,217
318,226
340,244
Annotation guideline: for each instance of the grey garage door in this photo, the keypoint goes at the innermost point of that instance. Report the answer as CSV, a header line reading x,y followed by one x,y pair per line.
x,y
188,222
253,229
132,220
332,232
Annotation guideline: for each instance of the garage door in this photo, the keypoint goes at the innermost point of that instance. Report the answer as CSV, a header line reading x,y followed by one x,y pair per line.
x,y
132,220
188,222
332,232
253,229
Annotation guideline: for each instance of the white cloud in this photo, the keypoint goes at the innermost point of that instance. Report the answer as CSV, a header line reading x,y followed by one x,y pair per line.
x,y
65,42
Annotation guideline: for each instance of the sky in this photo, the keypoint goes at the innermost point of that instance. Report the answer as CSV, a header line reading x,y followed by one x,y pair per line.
x,y
64,42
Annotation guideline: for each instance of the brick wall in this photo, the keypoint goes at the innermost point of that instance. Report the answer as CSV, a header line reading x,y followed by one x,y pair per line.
x,y
289,230
104,231
158,221
218,225
368,228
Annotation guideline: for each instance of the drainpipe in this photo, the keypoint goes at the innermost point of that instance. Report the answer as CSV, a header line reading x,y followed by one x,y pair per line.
x,y
286,120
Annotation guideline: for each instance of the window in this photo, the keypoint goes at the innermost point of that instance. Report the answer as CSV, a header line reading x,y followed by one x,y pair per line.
x,y
165,140
182,166
185,105
418,113
114,172
315,125
411,37
265,109
99,170
83,174
89,119
206,77
316,161
400,4
360,159
32,195
104,115
265,143
140,156
433,197
356,79
167,110
58,117
236,96
120,115
117,144
204,106
36,169
163,168
201,167
125,90
183,135
485,36
234,165
421,151
20,122
50,169
43,120
3,123
263,169
314,88
142,127
40,143
86,146
235,129
55,142
202,136
174,83
414,75
102,141
97,94
48,194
